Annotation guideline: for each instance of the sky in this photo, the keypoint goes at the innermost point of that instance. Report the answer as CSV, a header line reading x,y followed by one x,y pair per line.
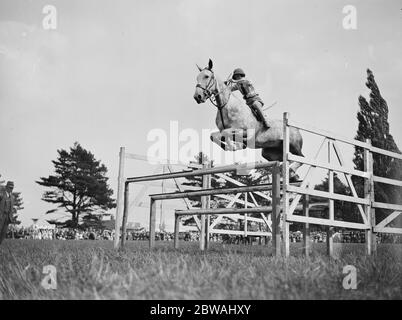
x,y
111,72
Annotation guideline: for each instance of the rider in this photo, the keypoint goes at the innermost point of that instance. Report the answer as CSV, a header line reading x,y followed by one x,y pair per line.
x,y
253,100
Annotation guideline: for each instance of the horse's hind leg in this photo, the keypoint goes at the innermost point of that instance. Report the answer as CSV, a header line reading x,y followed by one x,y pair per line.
x,y
296,150
276,154
272,154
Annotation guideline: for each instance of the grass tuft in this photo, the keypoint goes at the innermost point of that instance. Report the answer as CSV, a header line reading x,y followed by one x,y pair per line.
x,y
94,270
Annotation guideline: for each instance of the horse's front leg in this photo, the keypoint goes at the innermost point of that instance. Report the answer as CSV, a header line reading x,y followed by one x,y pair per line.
x,y
246,137
219,139
227,140
236,139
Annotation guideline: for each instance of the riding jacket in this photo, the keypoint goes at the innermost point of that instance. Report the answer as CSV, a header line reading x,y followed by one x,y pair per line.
x,y
246,89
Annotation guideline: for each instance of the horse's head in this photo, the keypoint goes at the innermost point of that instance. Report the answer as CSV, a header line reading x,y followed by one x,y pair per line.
x,y
205,83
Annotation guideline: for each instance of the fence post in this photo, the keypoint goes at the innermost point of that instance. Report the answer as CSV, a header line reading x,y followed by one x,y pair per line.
x,y
276,210
207,205
306,229
152,223
119,200
285,183
203,206
372,210
245,216
330,230
371,244
176,230
125,214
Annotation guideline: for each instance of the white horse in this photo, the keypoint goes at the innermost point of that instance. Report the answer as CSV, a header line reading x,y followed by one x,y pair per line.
x,y
238,127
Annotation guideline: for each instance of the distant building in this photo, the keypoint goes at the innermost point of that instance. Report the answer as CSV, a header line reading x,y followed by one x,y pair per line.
x,y
109,224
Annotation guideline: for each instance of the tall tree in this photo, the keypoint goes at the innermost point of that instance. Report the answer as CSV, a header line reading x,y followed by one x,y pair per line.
x,y
79,186
373,124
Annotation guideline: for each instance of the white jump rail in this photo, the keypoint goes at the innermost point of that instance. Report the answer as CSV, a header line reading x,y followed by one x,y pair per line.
x,y
366,204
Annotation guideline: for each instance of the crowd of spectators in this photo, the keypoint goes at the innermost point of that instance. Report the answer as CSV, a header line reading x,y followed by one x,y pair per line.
x,y
345,237
46,233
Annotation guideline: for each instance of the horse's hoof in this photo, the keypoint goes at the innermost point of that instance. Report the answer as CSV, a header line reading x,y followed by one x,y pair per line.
x,y
294,178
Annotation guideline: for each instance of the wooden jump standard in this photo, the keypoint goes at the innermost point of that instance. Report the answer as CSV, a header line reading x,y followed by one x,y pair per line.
x,y
280,222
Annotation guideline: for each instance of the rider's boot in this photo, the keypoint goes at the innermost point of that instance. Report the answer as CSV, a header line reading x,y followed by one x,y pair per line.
x,y
256,107
293,176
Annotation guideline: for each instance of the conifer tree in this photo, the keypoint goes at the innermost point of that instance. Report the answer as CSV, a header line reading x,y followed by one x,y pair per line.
x,y
373,124
343,210
78,187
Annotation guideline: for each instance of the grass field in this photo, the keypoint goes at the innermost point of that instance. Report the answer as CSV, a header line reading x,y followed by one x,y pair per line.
x,y
93,270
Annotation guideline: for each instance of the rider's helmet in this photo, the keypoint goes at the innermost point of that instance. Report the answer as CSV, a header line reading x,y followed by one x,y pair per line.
x,y
239,72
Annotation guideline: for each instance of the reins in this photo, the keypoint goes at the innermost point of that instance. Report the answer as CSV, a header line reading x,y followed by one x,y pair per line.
x,y
207,90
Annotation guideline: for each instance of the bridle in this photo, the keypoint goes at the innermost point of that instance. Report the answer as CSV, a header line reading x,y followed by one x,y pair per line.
x,y
212,96
207,90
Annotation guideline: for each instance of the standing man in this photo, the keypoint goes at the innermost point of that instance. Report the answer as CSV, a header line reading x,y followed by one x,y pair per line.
x,y
6,209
